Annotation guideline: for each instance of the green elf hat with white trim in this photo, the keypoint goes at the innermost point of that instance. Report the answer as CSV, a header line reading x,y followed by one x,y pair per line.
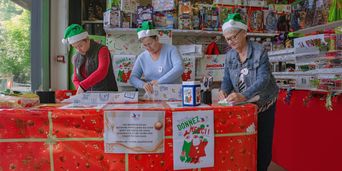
x,y
73,34
146,30
234,20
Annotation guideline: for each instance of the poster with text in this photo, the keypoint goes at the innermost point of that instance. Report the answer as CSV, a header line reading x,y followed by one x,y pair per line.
x,y
193,139
211,65
123,66
134,131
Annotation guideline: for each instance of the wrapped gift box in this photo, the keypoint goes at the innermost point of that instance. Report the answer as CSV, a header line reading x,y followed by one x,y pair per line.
x,y
61,95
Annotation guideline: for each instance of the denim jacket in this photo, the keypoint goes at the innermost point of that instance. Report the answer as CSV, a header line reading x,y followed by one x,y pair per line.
x,y
259,80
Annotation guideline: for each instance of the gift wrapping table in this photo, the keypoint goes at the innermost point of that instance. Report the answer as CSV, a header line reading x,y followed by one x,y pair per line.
x,y
49,138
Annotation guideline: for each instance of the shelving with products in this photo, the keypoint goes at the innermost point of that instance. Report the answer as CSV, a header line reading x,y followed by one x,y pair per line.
x,y
122,40
315,70
92,16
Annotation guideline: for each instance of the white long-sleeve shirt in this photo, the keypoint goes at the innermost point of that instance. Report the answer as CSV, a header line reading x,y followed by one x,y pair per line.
x,y
167,69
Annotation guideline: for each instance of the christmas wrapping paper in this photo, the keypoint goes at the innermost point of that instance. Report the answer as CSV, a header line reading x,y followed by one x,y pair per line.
x,y
63,94
60,139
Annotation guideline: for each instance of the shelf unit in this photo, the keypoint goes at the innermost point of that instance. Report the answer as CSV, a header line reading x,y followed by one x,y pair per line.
x,y
312,80
94,27
308,73
184,32
262,4
327,26
290,55
92,22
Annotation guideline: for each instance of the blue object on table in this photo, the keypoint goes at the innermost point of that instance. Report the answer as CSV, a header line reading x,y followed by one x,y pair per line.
x,y
191,93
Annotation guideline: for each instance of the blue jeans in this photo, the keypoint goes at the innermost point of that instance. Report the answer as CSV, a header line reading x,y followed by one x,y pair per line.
x,y
265,137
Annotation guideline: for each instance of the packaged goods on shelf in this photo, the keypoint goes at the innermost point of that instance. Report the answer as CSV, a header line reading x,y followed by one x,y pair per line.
x,y
255,20
163,5
112,18
270,20
128,5
185,15
144,13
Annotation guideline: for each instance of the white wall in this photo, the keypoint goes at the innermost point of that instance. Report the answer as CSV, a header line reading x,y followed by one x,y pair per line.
x,y
59,21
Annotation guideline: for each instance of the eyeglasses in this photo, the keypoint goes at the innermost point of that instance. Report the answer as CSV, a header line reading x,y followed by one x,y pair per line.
x,y
148,44
80,44
233,38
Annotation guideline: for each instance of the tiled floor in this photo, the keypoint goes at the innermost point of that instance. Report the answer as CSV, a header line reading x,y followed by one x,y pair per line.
x,y
275,167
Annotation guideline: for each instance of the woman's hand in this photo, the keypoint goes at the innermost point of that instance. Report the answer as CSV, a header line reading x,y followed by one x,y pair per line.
x,y
222,95
148,87
154,82
79,90
236,97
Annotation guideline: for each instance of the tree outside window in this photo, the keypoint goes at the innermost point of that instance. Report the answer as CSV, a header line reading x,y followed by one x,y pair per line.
x,y
15,65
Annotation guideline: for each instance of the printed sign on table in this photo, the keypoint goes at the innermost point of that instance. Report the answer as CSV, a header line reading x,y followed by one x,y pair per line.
x,y
134,131
193,139
123,66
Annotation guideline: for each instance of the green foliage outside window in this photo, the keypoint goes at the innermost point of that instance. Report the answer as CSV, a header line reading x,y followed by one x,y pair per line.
x,y
15,41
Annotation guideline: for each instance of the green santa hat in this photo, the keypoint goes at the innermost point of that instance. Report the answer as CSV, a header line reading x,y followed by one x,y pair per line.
x,y
234,21
73,34
146,30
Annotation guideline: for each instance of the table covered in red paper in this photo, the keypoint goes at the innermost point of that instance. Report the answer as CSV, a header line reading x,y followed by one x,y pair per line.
x,y
61,139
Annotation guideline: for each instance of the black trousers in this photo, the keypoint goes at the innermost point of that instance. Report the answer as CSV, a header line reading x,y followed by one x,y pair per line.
x,y
265,137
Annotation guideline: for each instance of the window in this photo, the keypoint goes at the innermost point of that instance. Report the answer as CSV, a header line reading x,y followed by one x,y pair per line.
x,y
15,58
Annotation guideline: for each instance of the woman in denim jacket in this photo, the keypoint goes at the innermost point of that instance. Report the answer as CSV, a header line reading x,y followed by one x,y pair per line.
x,y
248,77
